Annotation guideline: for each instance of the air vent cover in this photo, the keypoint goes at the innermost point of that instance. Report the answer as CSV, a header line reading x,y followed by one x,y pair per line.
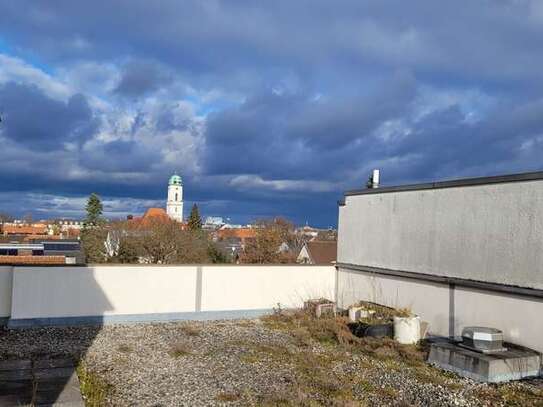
x,y
482,339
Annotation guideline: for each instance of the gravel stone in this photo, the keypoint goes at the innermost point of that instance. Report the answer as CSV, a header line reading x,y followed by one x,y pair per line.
x,y
213,363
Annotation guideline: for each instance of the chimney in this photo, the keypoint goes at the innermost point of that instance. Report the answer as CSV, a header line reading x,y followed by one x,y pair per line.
x,y
373,181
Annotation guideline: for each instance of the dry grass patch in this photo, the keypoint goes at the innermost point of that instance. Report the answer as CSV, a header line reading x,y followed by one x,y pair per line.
x,y
316,381
125,348
191,330
179,350
510,394
328,330
228,396
94,390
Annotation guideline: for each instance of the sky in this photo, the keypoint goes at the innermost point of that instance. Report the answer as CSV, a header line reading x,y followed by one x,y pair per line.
x,y
264,108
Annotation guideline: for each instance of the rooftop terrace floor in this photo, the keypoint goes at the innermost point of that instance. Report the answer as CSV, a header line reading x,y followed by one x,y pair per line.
x,y
275,361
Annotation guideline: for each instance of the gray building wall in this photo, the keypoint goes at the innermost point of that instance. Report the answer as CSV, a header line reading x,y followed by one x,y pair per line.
x,y
446,309
491,233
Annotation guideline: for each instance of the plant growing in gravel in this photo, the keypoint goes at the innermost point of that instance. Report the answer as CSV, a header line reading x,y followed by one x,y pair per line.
x,y
124,348
180,349
190,330
93,389
228,396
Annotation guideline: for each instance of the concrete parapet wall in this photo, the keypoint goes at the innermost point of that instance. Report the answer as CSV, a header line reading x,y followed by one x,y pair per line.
x,y
6,279
120,293
448,308
486,232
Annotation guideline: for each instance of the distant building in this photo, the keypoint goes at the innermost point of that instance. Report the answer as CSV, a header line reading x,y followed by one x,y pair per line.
x,y
213,223
24,229
318,252
174,205
233,241
42,252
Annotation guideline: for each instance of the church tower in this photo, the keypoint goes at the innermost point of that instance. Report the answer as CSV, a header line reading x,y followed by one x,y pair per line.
x,y
174,206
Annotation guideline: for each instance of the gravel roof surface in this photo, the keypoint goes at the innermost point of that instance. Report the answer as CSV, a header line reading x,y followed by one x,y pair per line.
x,y
232,363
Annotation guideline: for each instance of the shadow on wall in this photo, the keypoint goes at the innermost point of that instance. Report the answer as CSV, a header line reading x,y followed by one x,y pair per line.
x,y
38,365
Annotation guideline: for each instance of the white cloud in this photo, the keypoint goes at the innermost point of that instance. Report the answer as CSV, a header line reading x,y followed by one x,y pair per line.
x,y
16,70
247,182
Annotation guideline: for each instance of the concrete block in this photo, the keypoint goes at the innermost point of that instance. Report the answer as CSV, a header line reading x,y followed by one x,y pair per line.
x,y
357,313
515,363
320,307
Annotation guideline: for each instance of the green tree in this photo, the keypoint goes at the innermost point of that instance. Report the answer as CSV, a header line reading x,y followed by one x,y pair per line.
x,y
94,209
128,251
215,254
195,221
92,241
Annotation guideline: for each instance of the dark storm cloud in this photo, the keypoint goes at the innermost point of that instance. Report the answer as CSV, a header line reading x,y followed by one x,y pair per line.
x,y
37,121
140,78
118,156
282,136
314,93
475,41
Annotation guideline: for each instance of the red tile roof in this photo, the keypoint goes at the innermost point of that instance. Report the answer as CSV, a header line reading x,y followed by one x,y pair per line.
x,y
155,213
322,252
37,260
24,230
151,216
241,233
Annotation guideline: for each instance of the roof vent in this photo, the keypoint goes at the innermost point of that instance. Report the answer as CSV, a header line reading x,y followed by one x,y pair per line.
x,y
373,181
482,339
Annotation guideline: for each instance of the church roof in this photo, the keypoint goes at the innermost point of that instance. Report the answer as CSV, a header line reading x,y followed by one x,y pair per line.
x,y
155,213
175,180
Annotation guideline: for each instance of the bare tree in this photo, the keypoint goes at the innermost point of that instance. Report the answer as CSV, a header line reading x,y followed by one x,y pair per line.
x,y
165,241
5,217
272,242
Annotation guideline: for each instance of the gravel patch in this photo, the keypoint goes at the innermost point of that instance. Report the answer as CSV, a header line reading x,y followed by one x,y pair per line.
x,y
237,363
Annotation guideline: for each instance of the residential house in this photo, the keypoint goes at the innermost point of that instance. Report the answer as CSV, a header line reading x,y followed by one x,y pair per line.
x,y
318,252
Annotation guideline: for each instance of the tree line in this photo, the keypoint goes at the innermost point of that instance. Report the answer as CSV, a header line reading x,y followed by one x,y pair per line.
x,y
165,241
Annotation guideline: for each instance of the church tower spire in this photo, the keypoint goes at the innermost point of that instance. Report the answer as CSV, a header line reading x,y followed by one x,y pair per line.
x,y
174,205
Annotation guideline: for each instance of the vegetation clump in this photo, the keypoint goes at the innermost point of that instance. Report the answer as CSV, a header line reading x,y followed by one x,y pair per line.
x,y
190,330
94,389
179,350
381,314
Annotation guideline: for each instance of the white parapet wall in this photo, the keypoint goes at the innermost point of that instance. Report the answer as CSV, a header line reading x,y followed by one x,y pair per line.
x,y
263,287
6,280
124,293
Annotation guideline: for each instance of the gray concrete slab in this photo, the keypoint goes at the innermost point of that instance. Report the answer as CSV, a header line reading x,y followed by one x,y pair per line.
x,y
15,375
17,364
60,372
15,400
53,363
45,382
514,364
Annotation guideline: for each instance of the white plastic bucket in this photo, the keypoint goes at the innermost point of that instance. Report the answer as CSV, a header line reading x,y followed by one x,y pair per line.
x,y
407,330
